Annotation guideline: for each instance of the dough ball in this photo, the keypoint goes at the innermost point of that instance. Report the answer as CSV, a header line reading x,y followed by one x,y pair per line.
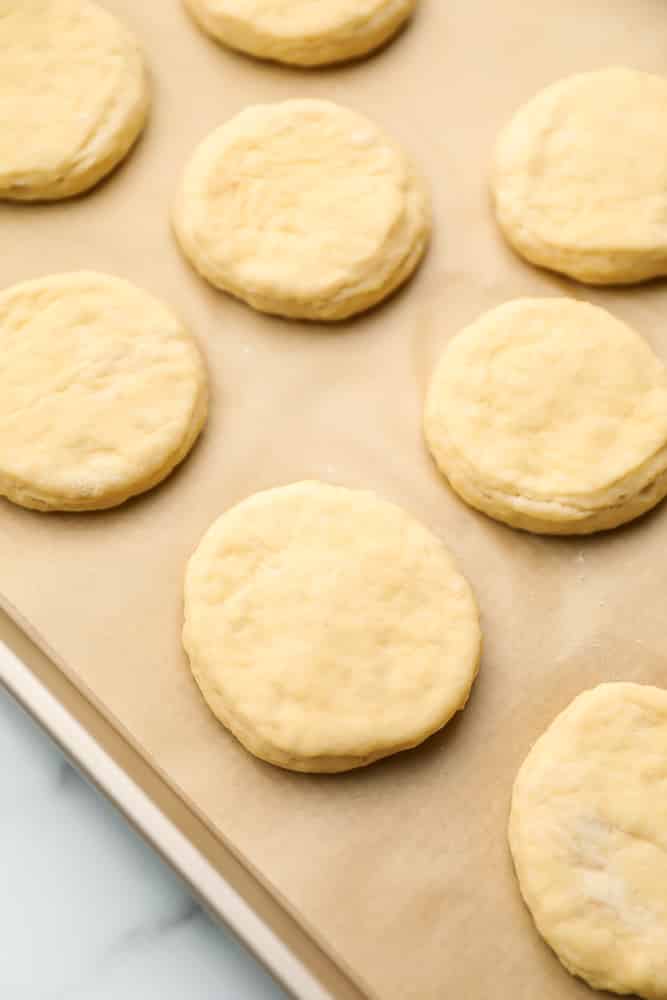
x,y
302,32
551,415
580,177
303,209
73,97
326,628
102,392
588,833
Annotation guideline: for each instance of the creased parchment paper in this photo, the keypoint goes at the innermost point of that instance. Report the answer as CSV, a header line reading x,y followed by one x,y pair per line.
x,y
401,870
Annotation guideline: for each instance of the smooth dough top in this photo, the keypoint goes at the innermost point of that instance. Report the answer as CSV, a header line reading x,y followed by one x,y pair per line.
x,y
551,400
580,177
302,32
73,96
102,391
588,833
302,208
330,625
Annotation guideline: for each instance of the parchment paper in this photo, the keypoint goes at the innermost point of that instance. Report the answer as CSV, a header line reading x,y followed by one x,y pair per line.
x,y
402,870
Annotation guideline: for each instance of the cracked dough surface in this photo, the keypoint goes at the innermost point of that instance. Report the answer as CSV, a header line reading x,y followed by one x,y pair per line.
x,y
302,32
551,415
102,392
580,177
73,96
326,628
588,833
304,209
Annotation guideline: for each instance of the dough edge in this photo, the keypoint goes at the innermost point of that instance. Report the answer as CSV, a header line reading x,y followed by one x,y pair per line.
x,y
558,517
339,46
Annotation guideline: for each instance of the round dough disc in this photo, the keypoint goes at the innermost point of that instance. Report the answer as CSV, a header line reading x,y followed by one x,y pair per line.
x,y
551,415
302,32
303,209
102,392
588,833
580,177
326,628
73,97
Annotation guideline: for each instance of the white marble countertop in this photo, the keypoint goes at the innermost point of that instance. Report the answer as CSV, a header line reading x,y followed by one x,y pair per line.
x,y
87,910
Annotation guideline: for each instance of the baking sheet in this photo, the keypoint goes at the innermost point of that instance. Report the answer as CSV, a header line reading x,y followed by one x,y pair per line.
x,y
214,875
401,870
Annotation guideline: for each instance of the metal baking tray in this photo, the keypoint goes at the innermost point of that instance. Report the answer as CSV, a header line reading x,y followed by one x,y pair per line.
x,y
219,881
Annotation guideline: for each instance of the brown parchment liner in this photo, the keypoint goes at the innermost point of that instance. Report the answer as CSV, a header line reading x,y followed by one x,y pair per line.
x,y
402,869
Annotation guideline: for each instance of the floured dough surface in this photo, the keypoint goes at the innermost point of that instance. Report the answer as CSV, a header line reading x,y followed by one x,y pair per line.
x,y
303,209
302,32
551,415
102,392
73,96
327,628
588,833
580,177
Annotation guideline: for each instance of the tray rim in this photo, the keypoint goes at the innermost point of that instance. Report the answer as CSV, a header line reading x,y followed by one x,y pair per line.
x,y
225,888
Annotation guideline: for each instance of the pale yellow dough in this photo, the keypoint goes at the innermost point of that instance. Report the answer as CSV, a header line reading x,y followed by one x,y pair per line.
x,y
588,833
327,628
73,96
580,177
102,392
302,32
551,415
303,209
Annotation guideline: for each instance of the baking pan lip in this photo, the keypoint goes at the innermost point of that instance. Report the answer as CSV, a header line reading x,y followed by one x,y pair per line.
x,y
95,763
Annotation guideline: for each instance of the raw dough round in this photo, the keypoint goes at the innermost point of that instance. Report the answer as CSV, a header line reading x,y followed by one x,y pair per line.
x,y
302,32
102,392
326,628
303,209
588,833
73,97
551,415
580,177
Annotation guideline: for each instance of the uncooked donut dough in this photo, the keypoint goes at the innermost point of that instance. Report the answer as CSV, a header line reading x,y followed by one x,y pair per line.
x,y
302,32
303,209
588,832
73,96
580,177
102,392
551,415
326,628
